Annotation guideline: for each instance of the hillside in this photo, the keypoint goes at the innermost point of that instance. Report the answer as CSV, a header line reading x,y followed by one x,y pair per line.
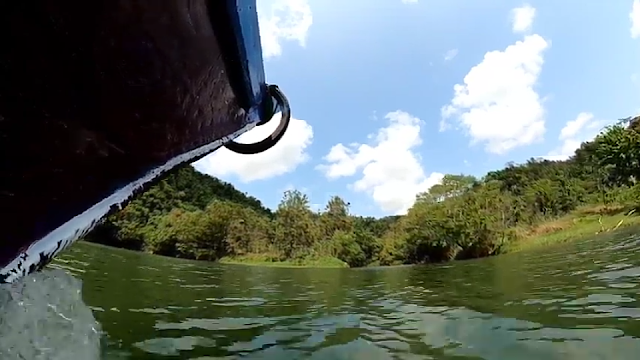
x,y
193,215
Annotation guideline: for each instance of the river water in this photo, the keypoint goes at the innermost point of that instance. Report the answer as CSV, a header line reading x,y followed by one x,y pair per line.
x,y
575,301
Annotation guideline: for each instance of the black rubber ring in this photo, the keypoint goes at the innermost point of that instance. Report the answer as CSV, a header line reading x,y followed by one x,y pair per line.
x,y
271,140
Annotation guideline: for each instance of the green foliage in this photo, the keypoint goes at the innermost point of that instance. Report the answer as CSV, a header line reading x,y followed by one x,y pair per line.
x,y
193,215
295,229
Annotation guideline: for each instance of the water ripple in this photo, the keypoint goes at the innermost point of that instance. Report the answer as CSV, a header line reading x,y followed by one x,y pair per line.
x,y
575,301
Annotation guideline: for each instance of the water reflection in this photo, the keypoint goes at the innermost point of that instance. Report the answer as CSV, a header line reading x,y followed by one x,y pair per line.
x,y
577,301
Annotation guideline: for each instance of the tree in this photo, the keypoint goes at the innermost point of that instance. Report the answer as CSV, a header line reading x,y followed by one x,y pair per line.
x,y
335,217
295,230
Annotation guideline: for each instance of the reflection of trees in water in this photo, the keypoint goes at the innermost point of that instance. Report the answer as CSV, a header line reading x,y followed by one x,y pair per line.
x,y
560,286
136,291
510,306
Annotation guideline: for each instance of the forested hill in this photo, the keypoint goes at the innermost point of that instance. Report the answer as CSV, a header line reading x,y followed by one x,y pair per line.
x,y
193,215
185,189
198,189
146,221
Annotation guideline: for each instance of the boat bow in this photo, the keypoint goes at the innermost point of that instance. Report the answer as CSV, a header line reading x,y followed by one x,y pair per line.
x,y
100,99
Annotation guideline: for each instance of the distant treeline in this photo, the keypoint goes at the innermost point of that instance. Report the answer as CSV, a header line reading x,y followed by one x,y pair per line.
x,y
192,215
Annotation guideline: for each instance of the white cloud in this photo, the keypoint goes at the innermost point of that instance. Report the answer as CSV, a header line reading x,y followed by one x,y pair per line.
x,y
284,157
583,128
390,169
409,1
522,18
449,55
290,187
634,15
497,104
283,20
574,127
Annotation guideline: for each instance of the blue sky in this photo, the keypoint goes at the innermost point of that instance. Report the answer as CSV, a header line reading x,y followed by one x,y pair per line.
x,y
389,95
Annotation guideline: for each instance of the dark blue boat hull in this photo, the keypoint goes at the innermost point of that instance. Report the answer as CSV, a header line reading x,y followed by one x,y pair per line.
x,y
99,99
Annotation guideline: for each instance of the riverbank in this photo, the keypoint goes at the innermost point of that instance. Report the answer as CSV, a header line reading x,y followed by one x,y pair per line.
x,y
266,260
583,222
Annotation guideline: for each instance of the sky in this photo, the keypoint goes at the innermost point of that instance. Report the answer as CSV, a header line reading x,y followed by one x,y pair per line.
x,y
387,96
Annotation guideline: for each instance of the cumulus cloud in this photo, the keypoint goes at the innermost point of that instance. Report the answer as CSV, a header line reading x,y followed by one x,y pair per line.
x,y
497,104
280,20
583,128
389,169
284,20
634,15
522,18
284,157
449,55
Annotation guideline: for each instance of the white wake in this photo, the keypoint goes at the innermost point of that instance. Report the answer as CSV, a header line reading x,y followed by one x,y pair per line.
x,y
43,317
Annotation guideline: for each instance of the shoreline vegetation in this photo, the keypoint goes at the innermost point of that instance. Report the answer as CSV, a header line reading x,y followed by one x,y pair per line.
x,y
585,222
522,206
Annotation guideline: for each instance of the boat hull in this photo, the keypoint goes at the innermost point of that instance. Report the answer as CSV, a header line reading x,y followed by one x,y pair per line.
x,y
99,99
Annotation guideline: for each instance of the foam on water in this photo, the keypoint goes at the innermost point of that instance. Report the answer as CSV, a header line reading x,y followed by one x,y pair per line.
x,y
43,317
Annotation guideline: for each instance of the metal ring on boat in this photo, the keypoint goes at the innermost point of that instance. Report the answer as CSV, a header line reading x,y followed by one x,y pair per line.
x,y
272,139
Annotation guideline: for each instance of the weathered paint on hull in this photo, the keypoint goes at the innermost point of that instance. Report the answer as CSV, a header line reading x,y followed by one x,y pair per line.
x,y
98,99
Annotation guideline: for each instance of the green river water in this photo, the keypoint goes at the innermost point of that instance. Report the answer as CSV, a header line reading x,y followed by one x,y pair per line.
x,y
574,301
